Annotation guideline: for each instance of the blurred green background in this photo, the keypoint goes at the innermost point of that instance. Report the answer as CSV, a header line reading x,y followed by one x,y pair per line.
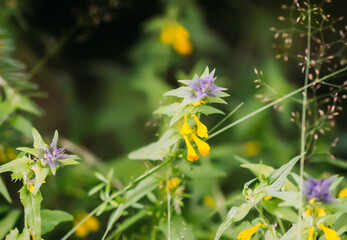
x,y
104,70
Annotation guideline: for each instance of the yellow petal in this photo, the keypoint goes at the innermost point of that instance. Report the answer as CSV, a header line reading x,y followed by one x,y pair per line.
x,y
308,212
343,193
81,231
248,233
183,47
203,147
321,212
31,188
185,128
330,234
267,198
310,236
92,224
312,201
191,155
201,128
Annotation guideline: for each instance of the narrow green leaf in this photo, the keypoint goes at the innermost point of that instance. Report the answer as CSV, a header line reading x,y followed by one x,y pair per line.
x,y
21,124
4,192
40,175
207,110
38,141
19,165
113,218
35,152
8,222
168,110
180,92
96,189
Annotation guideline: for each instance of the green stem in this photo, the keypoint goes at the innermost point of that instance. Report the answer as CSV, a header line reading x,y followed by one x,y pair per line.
x,y
303,120
226,117
276,102
113,196
168,210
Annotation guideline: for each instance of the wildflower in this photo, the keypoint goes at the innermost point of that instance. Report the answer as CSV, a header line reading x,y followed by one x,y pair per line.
x,y
191,156
173,183
53,155
203,147
343,193
31,188
251,148
198,103
266,198
90,225
310,235
178,36
185,128
201,128
248,233
308,212
204,87
318,190
329,233
321,212
209,202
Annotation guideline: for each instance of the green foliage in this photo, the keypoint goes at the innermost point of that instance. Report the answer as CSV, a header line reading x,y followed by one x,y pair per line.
x,y
51,218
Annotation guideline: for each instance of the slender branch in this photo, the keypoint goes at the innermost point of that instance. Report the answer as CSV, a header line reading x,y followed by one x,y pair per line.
x,y
276,102
303,120
168,210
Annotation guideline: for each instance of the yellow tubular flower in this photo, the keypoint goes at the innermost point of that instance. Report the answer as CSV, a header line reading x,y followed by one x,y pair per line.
x,y
201,128
31,188
185,128
81,231
329,233
92,224
203,147
343,193
183,47
191,156
174,182
312,201
177,36
308,212
248,233
266,198
321,212
310,236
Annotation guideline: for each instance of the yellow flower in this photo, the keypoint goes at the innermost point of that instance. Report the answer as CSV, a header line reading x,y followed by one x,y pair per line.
x,y
191,156
90,225
176,35
31,188
185,128
198,103
308,212
343,193
312,201
248,233
266,198
209,202
329,233
203,147
173,183
321,212
201,128
251,148
310,236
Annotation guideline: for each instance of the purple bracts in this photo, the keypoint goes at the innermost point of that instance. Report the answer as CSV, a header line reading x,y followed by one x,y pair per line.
x,y
319,189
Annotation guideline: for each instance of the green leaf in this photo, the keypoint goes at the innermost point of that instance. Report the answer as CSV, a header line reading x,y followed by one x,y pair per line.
x,y
70,161
32,206
40,175
14,235
4,192
277,178
273,206
157,150
8,222
21,124
168,110
258,170
216,100
289,198
235,214
180,92
113,218
35,152
38,141
17,166
25,104
181,112
96,189
51,218
207,110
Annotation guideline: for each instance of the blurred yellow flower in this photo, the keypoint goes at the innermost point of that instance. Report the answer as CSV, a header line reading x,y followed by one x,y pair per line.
x,y
321,212
185,128
343,193
90,225
209,202
176,35
310,236
308,212
173,183
329,233
248,233
251,148
266,198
